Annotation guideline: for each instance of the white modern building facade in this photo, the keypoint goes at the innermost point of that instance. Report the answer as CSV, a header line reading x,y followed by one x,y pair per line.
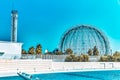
x,y
10,50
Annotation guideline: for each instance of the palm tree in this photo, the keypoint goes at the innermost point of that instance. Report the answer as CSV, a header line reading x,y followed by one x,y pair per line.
x,y
86,58
107,58
57,52
68,59
110,58
75,58
31,50
69,51
90,53
71,58
80,58
95,51
24,51
102,58
83,58
116,56
38,49
116,53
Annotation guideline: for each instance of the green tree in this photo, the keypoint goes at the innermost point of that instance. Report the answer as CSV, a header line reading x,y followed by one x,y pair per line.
x,y
58,53
69,51
86,58
74,58
24,51
107,58
38,49
71,58
80,58
95,51
31,50
83,58
103,58
90,53
68,59
116,53
110,58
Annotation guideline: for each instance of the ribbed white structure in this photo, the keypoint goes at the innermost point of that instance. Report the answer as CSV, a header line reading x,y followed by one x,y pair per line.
x,y
84,37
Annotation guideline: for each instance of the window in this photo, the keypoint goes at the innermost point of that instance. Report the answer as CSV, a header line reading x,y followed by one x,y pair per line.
x,y
1,53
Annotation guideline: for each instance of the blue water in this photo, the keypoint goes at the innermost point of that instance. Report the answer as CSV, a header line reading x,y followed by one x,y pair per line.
x,y
95,75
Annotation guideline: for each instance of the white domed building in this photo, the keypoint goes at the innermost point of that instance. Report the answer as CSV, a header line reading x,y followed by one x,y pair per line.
x,y
82,38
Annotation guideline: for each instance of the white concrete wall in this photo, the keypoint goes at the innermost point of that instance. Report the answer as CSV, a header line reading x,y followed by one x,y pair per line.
x,y
24,65
47,66
85,65
10,49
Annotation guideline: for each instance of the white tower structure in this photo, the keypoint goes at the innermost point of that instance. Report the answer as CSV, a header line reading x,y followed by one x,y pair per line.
x,y
14,22
11,50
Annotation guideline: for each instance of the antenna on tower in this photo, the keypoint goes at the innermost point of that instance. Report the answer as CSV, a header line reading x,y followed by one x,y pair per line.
x,y
13,6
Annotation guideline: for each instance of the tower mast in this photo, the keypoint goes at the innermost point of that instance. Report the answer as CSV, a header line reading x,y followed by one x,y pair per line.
x,y
14,22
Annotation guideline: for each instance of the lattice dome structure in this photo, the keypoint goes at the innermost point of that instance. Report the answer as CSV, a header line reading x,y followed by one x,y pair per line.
x,y
82,38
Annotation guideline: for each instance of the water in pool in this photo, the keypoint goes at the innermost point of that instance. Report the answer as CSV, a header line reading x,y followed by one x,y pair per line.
x,y
96,75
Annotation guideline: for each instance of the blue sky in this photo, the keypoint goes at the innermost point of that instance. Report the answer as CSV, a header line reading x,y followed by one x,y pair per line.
x,y
44,21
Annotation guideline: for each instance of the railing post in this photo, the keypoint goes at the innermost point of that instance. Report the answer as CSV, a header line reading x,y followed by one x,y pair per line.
x,y
103,65
112,65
